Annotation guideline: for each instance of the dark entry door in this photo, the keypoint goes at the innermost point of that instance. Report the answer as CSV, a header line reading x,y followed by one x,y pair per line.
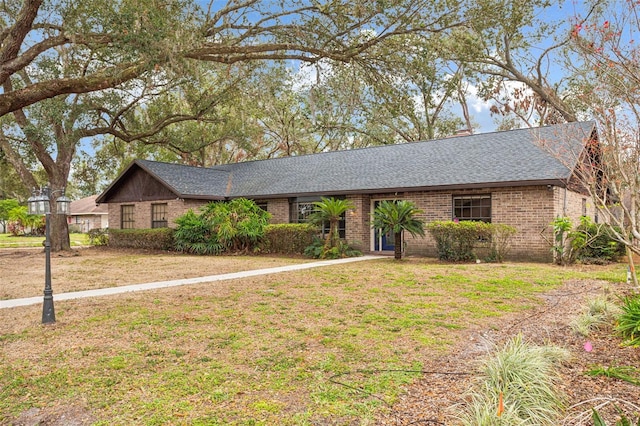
x,y
382,242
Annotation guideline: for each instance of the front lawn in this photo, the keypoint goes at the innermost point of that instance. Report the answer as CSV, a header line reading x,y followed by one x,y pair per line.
x,y
286,349
10,241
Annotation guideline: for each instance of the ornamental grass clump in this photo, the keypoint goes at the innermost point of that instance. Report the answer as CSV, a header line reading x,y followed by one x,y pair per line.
x,y
596,313
517,386
628,326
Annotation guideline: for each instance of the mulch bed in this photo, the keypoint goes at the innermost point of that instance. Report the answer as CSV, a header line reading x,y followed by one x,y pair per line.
x,y
434,398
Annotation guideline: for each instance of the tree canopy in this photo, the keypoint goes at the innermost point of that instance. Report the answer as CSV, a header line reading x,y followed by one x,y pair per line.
x,y
90,85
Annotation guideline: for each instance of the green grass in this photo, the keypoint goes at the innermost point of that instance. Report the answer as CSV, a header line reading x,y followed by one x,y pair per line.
x,y
629,374
9,241
308,347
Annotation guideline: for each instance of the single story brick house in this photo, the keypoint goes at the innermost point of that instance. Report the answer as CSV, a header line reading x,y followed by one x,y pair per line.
x,y
519,177
85,215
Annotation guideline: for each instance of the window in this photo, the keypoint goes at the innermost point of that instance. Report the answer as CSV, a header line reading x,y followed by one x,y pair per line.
x,y
472,207
159,215
584,207
126,216
299,211
263,205
301,208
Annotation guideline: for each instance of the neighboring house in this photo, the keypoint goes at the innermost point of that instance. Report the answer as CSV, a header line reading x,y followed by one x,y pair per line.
x,y
86,215
508,177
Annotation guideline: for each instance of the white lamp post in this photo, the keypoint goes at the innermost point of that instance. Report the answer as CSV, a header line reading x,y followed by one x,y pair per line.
x,y
39,204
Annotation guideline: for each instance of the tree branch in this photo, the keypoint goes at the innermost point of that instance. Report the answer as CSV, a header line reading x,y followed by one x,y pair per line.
x,y
36,92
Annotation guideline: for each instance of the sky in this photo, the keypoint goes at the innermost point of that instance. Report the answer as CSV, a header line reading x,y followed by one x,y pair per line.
x,y
479,108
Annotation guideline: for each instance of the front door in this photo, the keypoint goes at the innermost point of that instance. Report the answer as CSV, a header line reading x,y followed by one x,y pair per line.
x,y
382,241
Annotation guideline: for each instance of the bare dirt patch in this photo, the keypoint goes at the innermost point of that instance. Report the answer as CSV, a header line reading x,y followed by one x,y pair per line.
x,y
70,415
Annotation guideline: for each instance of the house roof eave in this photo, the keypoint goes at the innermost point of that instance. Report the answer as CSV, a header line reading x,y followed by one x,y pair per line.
x,y
561,182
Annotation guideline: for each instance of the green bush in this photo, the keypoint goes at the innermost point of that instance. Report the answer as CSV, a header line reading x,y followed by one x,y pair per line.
x,y
288,238
194,235
98,237
319,250
594,243
563,250
628,324
234,226
456,241
148,239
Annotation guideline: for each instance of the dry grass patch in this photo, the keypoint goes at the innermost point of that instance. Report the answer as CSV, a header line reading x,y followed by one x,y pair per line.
x,y
262,350
90,268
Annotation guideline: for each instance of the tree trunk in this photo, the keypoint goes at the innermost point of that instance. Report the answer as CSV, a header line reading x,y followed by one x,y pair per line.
x,y
397,248
59,229
632,268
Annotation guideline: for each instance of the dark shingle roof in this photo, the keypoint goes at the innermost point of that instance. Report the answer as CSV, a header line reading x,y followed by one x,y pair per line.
x,y
189,181
490,158
512,157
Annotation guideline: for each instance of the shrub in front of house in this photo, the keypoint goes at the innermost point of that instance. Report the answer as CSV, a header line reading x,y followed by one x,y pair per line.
x,y
98,236
456,241
319,250
287,238
147,239
501,236
194,235
595,243
236,226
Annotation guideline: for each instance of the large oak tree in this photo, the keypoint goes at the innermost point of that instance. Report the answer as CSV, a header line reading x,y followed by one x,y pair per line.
x,y
60,60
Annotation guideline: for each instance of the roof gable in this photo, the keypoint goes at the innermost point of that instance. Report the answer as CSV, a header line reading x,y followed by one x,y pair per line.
x,y
145,180
138,185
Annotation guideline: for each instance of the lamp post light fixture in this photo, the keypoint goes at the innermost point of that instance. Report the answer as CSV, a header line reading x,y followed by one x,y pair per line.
x,y
38,204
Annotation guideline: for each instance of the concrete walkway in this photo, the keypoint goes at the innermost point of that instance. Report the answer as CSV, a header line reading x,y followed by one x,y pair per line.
x,y
12,303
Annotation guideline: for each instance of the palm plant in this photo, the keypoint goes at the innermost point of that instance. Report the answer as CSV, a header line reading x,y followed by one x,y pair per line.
x,y
396,217
330,210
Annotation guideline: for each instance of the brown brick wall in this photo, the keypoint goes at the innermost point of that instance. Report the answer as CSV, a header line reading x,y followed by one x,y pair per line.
x,y
142,212
573,207
279,209
358,229
529,209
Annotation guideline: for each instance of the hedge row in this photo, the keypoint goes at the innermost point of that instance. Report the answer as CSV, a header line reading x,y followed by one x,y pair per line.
x,y
149,239
288,238
457,241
